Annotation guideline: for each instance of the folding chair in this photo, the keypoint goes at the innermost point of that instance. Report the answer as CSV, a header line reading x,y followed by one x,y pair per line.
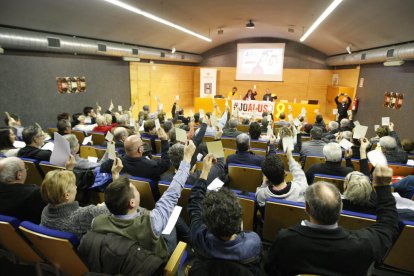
x,y
58,247
34,174
229,142
176,260
144,187
281,214
338,181
400,255
98,138
182,201
244,177
248,203
47,167
16,244
208,138
80,135
311,160
243,128
258,144
228,152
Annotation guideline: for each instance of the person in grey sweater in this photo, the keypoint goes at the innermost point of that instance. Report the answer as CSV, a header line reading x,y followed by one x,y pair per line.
x,y
275,185
62,212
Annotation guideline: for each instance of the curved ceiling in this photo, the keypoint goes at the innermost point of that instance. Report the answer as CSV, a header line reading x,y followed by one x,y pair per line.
x,y
363,23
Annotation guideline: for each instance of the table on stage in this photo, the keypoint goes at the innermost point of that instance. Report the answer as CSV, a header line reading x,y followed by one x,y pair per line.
x,y
207,105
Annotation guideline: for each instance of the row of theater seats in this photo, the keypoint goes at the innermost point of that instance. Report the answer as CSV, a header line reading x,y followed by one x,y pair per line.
x,y
55,251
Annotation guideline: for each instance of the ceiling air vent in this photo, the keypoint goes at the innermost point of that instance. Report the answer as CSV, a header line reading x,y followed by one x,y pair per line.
x,y
135,51
182,56
101,47
363,56
53,42
390,53
162,55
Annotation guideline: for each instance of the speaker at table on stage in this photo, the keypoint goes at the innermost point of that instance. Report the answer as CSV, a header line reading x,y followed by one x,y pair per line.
x,y
268,96
232,93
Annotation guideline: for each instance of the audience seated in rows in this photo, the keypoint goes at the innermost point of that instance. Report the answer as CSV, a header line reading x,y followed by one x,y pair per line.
x,y
18,199
90,115
319,246
7,139
34,138
129,220
216,228
333,163
274,182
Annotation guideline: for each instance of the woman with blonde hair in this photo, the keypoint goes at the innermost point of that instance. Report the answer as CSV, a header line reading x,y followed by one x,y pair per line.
x,y
63,212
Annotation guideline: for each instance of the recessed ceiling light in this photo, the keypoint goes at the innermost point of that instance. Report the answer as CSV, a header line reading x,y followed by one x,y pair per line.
x,y
156,18
321,18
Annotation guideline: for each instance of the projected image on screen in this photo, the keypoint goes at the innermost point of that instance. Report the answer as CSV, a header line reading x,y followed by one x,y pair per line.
x,y
260,61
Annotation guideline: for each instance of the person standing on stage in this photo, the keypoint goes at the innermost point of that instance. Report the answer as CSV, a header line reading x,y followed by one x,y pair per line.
x,y
268,96
250,95
343,106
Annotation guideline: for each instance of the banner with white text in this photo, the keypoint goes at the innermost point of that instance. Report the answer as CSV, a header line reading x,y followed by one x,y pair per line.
x,y
251,108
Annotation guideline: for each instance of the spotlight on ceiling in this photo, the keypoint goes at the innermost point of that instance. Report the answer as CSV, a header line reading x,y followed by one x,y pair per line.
x,y
250,24
173,50
349,49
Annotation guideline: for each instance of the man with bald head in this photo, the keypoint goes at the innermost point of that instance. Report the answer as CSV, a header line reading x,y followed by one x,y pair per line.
x,y
136,164
17,199
319,246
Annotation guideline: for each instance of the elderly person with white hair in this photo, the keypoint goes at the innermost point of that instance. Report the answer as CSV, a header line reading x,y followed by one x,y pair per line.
x,y
359,196
102,124
81,126
82,163
391,147
333,128
345,125
231,130
332,166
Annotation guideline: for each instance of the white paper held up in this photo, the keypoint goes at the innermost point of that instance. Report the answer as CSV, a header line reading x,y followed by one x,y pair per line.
x,y
287,143
109,136
172,220
215,185
215,148
360,131
111,151
87,140
157,124
377,158
61,151
385,121
345,144
180,135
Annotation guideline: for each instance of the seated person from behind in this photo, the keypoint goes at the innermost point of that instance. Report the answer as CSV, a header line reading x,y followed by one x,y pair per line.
x,y
333,163
136,164
79,121
176,154
63,212
274,182
320,123
34,138
243,155
392,151
81,163
101,125
232,131
282,122
18,199
319,246
216,230
129,220
64,127
7,139
314,147
256,132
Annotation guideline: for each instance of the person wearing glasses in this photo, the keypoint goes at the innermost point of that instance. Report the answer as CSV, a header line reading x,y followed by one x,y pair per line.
x,y
18,199
34,138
